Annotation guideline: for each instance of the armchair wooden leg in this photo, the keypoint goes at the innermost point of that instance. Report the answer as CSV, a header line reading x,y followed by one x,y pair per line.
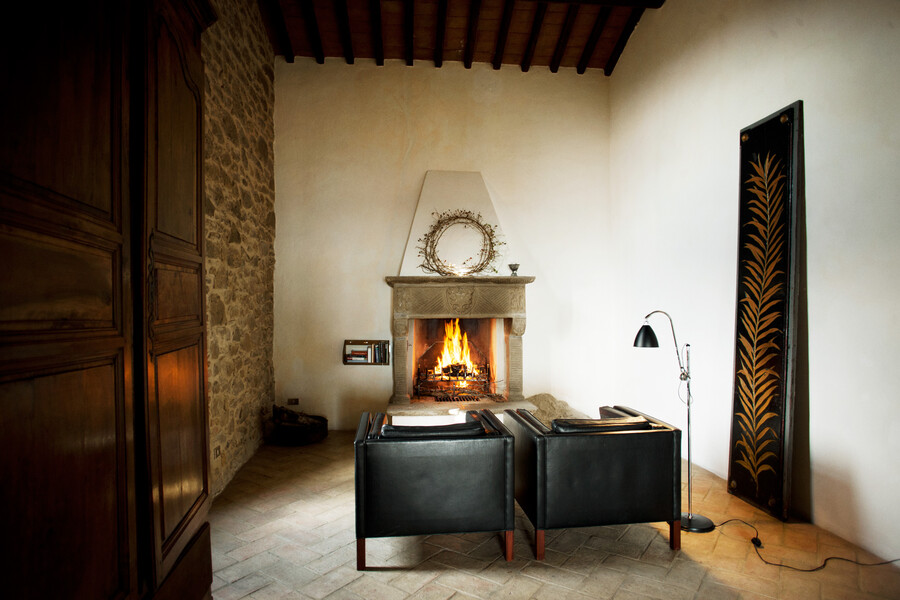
x,y
675,534
508,545
539,544
360,554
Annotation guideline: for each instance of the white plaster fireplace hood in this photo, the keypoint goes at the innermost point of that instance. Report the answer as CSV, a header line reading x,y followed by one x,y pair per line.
x,y
420,295
451,190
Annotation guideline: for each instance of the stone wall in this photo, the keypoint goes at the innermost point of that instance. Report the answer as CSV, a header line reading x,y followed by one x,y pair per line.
x,y
240,232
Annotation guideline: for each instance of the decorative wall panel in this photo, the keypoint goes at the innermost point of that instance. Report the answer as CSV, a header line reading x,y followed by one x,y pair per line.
x,y
771,188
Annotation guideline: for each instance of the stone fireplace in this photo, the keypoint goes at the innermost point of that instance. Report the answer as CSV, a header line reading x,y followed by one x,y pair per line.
x,y
491,311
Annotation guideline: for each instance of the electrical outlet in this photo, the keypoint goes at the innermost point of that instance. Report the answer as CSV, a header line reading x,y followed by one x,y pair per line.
x,y
217,452
293,401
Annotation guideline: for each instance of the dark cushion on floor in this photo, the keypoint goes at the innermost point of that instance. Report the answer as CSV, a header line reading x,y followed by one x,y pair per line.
x,y
293,428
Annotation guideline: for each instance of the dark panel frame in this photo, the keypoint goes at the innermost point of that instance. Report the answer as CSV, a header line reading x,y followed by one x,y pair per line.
x,y
771,189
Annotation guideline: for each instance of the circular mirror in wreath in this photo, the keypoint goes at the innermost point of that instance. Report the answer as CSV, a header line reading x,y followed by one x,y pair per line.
x,y
459,243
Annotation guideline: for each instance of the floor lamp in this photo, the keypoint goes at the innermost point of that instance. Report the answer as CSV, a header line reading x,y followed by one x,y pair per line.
x,y
645,338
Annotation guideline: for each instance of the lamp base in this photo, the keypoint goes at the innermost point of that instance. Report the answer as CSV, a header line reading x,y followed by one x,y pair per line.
x,y
696,523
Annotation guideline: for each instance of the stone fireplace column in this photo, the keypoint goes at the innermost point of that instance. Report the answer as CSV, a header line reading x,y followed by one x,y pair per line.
x,y
516,391
400,344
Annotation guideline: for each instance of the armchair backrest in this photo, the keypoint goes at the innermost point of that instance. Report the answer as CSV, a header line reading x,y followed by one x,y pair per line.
x,y
433,479
584,472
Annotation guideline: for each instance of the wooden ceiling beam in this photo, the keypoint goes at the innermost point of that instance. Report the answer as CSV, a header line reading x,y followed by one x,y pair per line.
x,y
343,21
535,32
627,30
312,30
279,37
563,40
440,30
472,32
377,36
409,15
591,45
290,22
503,33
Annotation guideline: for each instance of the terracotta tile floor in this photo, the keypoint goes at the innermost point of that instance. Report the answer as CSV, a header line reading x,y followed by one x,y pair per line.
x,y
284,529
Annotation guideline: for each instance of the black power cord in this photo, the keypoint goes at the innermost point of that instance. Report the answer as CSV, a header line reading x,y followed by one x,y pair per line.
x,y
757,544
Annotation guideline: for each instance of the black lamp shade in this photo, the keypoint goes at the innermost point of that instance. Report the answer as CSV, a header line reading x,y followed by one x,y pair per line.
x,y
645,338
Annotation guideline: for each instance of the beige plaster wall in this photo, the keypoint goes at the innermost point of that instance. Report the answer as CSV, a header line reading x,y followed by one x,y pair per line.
x,y
693,75
353,145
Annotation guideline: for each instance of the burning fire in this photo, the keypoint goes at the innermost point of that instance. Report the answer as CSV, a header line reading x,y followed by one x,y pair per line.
x,y
456,352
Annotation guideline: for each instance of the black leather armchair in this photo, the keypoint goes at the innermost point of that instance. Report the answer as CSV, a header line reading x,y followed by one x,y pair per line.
x,y
422,480
622,468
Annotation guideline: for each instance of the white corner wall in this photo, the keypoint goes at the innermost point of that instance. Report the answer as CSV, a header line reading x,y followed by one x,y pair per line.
x,y
352,147
695,73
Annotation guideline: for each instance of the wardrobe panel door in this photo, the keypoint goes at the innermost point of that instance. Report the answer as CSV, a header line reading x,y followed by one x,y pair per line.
x,y
64,462
176,406
66,393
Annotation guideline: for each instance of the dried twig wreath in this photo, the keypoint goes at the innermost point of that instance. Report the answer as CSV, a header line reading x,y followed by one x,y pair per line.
x,y
428,244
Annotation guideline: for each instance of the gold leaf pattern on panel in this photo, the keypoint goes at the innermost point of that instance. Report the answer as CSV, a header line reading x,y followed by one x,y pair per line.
x,y
763,283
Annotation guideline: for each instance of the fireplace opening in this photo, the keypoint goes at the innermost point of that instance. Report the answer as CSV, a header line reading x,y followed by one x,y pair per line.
x,y
460,359
491,311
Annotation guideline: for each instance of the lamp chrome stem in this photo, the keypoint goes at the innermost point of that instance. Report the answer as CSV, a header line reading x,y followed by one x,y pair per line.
x,y
689,521
685,373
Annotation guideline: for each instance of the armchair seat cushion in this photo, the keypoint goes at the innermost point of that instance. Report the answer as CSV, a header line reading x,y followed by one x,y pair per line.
x,y
468,429
599,425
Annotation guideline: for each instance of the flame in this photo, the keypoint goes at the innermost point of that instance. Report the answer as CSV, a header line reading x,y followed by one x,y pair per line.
x,y
456,349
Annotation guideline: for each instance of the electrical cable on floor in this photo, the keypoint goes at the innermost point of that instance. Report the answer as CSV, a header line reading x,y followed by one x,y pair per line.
x,y
757,544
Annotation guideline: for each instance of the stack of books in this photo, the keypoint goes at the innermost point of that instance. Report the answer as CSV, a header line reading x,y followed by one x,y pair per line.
x,y
366,352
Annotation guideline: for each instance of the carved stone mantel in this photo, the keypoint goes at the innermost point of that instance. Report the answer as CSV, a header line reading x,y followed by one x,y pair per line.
x,y
423,297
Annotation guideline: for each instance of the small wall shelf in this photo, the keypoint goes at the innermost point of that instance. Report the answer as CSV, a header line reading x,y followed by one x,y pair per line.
x,y
367,352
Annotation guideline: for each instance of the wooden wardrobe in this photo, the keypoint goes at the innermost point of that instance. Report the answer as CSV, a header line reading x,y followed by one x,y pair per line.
x,y
104,485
